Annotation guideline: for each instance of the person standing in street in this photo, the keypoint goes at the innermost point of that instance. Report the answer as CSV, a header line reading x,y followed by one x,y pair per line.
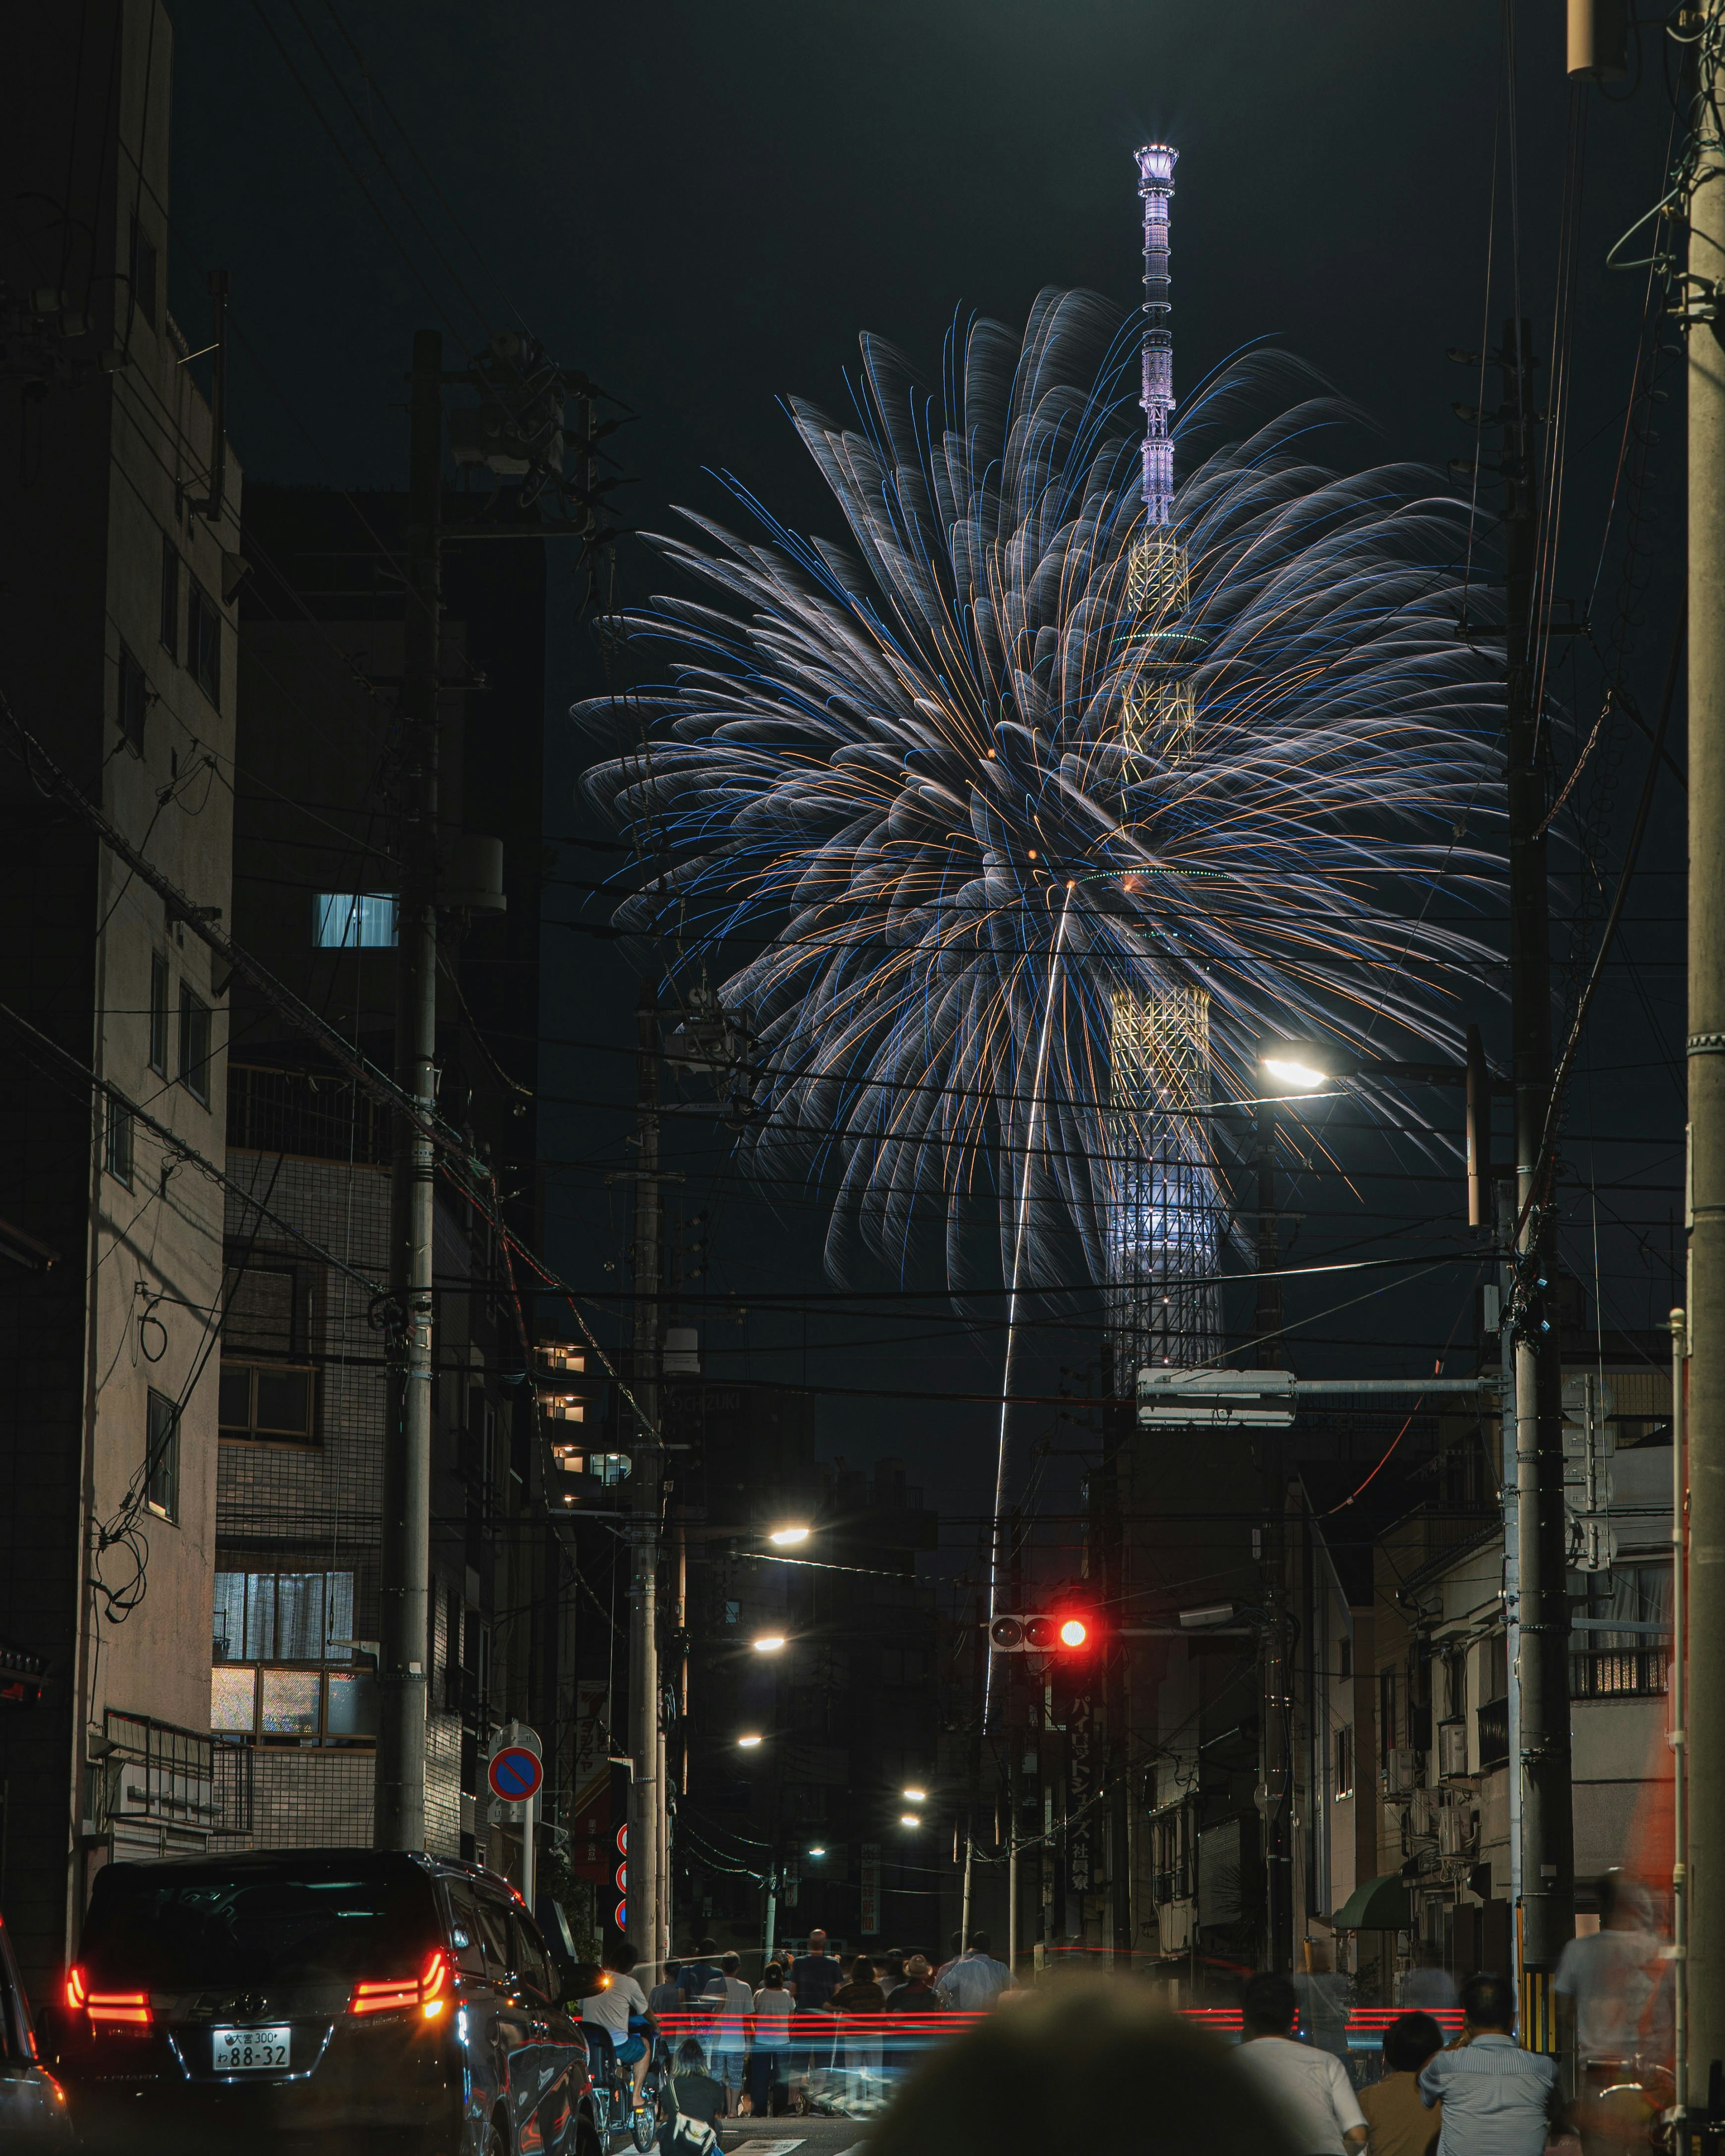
x,y
729,2061
916,1994
667,1997
1498,2099
699,1979
1308,2087
861,1995
974,1982
1614,1989
1325,1997
772,2041
1395,2109
815,1976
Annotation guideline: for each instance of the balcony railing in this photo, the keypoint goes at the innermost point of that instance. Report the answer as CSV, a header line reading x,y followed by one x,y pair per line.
x,y
1619,1673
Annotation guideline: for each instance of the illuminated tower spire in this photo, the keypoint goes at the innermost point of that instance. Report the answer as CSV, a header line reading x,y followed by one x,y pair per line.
x,y
1165,1217
1156,184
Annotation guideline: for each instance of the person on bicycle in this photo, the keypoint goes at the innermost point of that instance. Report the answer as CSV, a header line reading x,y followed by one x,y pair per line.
x,y
621,2011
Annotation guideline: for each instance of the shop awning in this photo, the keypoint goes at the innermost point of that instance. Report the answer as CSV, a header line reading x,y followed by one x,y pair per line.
x,y
1380,1905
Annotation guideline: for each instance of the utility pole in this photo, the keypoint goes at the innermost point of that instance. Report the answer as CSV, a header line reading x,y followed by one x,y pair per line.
x,y
646,1932
399,1802
1705,1324
1547,1914
1267,1352
1116,1421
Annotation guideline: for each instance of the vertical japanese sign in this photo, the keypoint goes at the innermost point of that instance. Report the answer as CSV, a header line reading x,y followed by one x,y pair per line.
x,y
870,1923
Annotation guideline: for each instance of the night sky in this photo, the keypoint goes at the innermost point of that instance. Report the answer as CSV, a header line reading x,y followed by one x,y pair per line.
x,y
701,207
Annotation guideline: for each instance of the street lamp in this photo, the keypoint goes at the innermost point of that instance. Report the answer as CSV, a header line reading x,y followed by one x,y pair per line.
x,y
910,1819
819,1849
1302,1066
769,1643
914,1796
747,1743
788,1536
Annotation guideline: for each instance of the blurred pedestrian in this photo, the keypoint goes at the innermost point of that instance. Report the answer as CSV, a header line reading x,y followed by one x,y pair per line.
x,y
1400,2122
1087,2064
698,2092
1614,1998
976,1980
1428,1983
916,1994
861,1995
667,1997
1309,2087
770,2043
699,1979
1498,2099
729,2060
813,1978
1325,1996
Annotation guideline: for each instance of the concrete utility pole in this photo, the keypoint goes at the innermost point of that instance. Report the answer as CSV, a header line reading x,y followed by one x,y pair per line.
x,y
1705,1299
1268,1351
399,1805
648,1932
1542,1678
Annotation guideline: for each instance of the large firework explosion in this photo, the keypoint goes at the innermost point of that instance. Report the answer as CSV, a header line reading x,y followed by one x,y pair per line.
x,y
983,792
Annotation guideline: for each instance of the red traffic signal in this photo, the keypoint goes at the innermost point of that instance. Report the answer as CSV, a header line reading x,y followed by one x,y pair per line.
x,y
1046,1633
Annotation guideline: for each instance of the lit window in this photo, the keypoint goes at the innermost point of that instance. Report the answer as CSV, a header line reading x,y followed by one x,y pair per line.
x,y
119,1144
194,1044
134,702
203,641
161,1460
354,921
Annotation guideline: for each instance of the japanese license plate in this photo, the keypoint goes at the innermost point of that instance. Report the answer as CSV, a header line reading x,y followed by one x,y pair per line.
x,y
250,2051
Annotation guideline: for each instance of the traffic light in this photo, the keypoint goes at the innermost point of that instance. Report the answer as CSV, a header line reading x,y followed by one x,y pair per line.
x,y
1056,1632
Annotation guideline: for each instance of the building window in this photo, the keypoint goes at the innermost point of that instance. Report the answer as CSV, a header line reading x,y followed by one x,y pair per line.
x,y
1344,1763
269,1385
283,1617
134,701
353,920
194,1044
117,1149
1624,1649
170,598
203,641
1345,1667
1386,1715
143,273
162,1459
158,1013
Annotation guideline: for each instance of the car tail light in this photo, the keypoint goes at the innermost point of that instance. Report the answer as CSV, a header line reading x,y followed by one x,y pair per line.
x,y
77,1991
129,2008
394,1993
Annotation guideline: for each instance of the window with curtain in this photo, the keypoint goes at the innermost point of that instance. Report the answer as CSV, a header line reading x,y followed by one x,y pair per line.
x,y
283,1617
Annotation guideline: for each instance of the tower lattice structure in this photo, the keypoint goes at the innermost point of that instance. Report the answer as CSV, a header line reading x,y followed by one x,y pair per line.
x,y
1164,1217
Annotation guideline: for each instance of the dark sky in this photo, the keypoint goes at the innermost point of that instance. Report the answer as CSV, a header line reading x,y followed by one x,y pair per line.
x,y
703,206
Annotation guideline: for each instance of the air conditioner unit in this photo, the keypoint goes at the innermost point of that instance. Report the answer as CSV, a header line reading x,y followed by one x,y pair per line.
x,y
1456,1829
1401,1772
1452,1747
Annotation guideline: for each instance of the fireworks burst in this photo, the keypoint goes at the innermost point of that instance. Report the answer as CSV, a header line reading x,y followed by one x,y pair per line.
x,y
1002,774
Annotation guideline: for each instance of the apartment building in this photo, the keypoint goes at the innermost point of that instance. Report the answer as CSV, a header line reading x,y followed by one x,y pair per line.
x,y
118,566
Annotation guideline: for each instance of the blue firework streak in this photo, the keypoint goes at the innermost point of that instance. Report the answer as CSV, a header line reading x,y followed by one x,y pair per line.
x,y
900,769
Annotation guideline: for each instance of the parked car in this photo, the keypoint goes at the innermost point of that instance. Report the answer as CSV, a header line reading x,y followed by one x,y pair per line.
x,y
360,1996
33,2105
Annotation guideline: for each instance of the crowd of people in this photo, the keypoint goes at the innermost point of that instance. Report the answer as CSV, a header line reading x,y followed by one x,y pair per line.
x,y
782,2045
802,2040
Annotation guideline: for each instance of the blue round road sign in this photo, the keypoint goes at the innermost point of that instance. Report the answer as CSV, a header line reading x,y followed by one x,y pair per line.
x,y
515,1773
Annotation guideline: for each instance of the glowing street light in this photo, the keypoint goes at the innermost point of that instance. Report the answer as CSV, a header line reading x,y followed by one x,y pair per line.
x,y
1300,1066
819,1849
914,1796
910,1819
748,1743
787,1537
769,1643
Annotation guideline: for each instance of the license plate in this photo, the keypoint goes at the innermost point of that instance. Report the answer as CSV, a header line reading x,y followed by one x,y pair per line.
x,y
250,2051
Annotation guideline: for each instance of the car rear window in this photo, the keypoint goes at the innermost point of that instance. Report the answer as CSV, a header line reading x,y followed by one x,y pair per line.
x,y
181,1930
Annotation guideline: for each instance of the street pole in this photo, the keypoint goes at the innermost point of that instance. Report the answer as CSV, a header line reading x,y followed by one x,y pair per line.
x,y
1679,1740
1704,1748
1117,1749
530,1813
1268,1351
646,1792
399,1789
1542,1679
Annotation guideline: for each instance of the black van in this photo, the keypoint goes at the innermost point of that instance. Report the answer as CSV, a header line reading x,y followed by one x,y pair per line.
x,y
360,1996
